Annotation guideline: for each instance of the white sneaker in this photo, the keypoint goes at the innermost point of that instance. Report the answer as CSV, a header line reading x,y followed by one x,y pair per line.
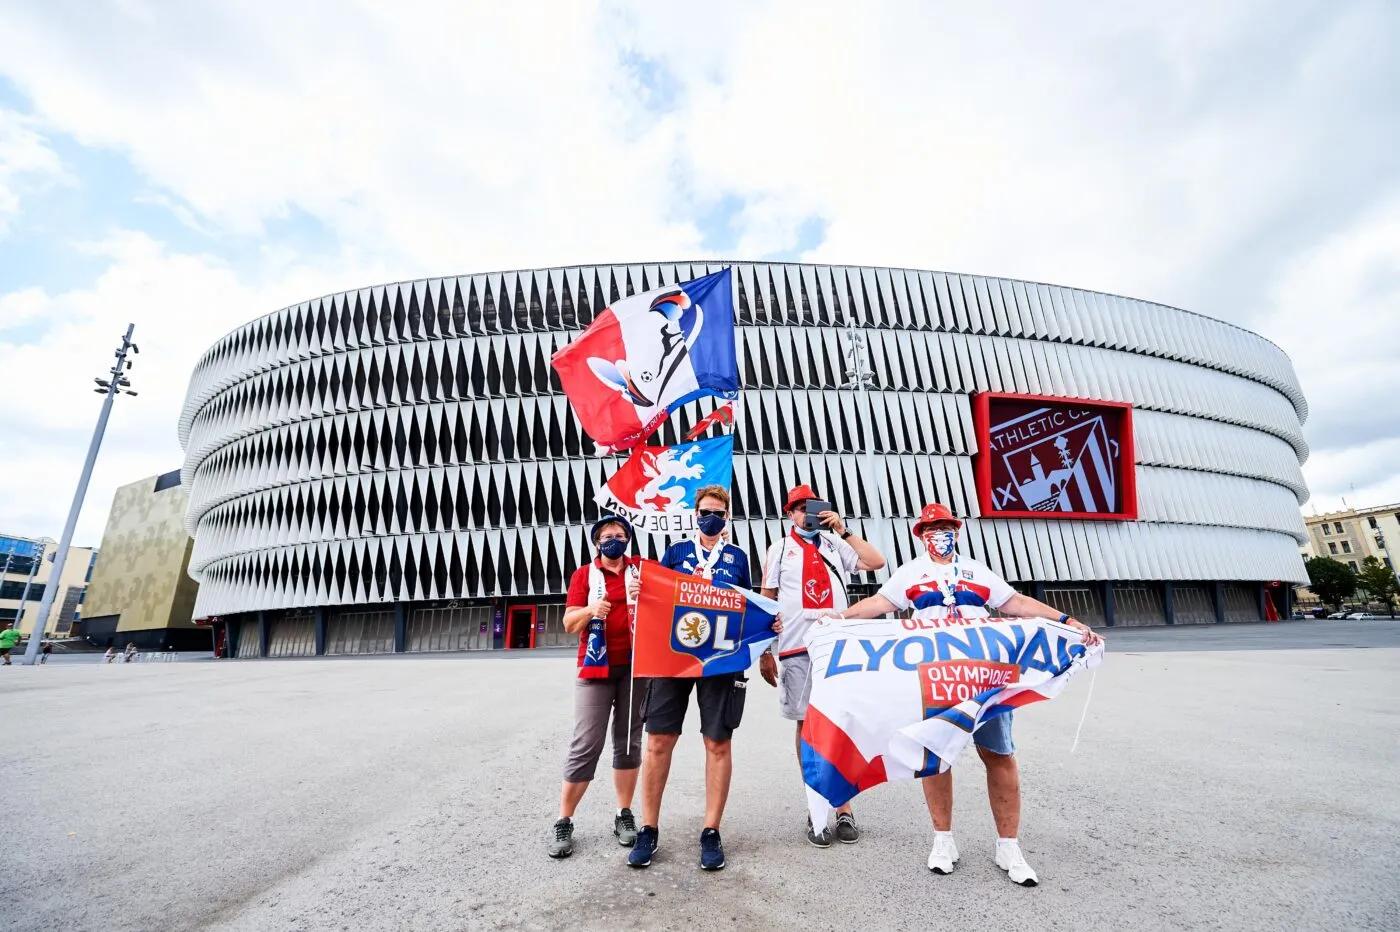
x,y
944,854
1011,860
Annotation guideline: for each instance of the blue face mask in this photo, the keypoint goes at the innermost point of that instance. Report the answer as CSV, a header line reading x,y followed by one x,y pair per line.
x,y
613,547
807,535
710,525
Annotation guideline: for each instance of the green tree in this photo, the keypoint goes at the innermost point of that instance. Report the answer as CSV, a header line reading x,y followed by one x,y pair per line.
x,y
1379,582
1330,581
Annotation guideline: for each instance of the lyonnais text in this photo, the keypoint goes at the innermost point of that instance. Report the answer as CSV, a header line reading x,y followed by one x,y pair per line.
x,y
946,683
699,594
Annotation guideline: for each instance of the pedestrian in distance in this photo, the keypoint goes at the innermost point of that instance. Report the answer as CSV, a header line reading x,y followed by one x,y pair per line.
x,y
937,584
9,637
129,653
45,649
110,655
720,698
807,571
596,609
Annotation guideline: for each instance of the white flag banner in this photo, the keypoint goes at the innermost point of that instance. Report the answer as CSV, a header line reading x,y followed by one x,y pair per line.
x,y
895,699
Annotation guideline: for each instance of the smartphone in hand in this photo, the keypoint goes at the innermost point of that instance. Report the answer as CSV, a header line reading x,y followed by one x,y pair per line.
x,y
815,506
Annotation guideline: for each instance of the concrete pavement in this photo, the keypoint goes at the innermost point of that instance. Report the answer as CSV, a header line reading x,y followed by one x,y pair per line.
x,y
1235,787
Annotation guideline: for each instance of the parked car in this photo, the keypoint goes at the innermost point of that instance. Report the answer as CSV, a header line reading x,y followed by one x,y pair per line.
x,y
1357,616
1340,615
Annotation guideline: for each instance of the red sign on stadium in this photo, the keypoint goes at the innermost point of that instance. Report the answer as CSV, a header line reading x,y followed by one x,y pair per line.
x,y
1045,457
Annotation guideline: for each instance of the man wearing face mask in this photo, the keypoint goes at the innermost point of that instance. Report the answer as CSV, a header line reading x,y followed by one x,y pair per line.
x,y
597,611
806,571
720,698
936,584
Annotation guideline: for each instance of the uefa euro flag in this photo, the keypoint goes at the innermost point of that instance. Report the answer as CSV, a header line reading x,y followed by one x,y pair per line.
x,y
688,626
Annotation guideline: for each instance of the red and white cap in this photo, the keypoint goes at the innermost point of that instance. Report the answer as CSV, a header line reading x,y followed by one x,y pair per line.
x,y
933,514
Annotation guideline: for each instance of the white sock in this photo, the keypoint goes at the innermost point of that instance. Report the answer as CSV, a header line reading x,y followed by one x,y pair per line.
x,y
937,833
1007,841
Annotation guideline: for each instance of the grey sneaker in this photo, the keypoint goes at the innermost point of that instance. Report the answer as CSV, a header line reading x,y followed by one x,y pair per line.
x,y
821,839
563,843
625,828
846,831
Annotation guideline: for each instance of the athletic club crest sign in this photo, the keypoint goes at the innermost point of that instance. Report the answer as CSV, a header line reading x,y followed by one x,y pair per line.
x,y
1046,457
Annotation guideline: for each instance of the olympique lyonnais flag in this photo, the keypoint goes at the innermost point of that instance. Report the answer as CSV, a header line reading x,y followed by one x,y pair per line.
x,y
655,489
688,626
721,415
894,699
649,354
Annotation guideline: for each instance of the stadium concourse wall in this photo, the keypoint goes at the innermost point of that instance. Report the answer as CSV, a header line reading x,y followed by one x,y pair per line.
x,y
395,468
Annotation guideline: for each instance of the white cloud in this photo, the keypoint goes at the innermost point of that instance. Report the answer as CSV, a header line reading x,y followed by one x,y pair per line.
x,y
26,161
1233,159
180,305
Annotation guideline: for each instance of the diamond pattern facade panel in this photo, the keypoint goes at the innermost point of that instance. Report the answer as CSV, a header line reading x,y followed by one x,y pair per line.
x,y
409,442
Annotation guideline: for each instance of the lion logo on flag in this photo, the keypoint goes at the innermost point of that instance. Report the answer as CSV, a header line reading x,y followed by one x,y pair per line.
x,y
692,629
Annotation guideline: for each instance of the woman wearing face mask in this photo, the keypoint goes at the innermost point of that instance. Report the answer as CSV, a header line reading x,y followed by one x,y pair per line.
x,y
597,611
936,584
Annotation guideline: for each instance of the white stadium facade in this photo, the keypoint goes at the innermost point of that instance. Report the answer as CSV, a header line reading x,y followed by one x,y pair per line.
x,y
394,468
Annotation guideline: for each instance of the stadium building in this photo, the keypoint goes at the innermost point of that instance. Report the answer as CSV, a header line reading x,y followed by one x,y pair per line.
x,y
395,468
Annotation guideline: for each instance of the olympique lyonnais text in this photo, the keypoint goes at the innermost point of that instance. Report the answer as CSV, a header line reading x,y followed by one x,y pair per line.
x,y
1003,643
703,595
1026,431
950,682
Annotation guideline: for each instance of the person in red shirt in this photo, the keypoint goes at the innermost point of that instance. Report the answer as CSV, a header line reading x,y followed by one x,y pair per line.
x,y
597,610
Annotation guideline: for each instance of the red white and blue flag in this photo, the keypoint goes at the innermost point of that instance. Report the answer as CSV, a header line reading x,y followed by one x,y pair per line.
x,y
655,489
649,354
688,626
895,699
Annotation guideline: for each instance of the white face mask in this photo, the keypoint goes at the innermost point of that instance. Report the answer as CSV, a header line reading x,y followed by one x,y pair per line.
x,y
941,543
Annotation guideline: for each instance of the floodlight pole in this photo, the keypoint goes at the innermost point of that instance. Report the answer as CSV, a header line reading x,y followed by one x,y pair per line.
x,y
860,377
112,387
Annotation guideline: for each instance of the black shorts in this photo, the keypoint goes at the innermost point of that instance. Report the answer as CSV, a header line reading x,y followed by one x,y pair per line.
x,y
720,698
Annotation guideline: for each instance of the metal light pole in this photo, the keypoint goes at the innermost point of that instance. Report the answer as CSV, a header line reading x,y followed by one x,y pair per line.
x,y
861,378
109,388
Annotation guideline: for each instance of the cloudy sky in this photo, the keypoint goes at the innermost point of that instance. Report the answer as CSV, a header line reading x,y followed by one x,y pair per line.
x,y
189,165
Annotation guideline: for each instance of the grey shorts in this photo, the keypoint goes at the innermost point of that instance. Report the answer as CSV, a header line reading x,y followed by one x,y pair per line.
x,y
595,701
794,686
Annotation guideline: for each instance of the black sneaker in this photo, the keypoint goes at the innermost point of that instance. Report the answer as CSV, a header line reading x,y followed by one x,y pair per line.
x,y
846,831
821,839
711,850
563,844
625,828
645,846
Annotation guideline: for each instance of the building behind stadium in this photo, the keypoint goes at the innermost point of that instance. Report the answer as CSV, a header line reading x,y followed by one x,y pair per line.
x,y
395,468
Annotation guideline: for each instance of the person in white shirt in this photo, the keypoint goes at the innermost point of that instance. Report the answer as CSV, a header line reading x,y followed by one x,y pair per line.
x,y
933,585
806,571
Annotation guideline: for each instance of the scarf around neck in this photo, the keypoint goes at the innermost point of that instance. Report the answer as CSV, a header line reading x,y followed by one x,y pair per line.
x,y
816,577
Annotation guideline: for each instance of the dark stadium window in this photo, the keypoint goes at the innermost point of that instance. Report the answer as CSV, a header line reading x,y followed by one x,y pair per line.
x,y
476,316
568,317
537,309
459,310
523,317
415,377
13,589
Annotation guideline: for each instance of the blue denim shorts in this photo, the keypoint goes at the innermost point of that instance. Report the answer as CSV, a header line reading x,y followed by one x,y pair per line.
x,y
995,735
